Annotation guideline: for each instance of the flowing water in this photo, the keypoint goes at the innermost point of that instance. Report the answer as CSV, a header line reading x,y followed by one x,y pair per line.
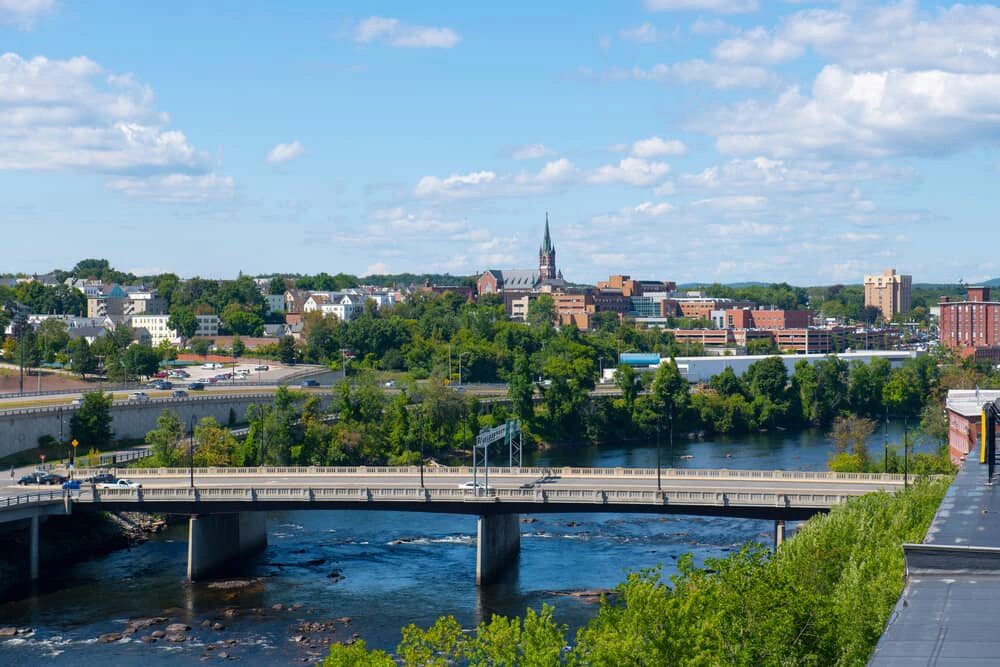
x,y
384,570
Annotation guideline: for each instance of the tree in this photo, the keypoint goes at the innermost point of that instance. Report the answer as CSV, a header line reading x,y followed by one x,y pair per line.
x,y
542,310
850,435
520,390
287,353
164,441
628,382
183,320
52,338
238,319
81,359
91,425
238,347
276,286
140,360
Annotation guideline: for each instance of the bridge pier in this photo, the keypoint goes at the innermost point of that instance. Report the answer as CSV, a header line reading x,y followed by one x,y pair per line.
x,y
498,542
216,540
33,554
779,533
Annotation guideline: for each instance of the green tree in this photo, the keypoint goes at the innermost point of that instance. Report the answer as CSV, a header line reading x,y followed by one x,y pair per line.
x,y
520,390
165,441
91,425
140,360
628,381
238,320
276,286
356,655
542,310
287,353
201,346
183,320
238,347
81,359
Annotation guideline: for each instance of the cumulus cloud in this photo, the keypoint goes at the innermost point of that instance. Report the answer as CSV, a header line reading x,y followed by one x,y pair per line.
x,y
717,6
758,46
630,171
657,147
454,186
24,13
285,152
872,114
73,115
650,209
393,32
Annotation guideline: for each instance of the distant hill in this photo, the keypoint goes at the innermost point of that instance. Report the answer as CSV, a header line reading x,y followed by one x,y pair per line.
x,y
752,283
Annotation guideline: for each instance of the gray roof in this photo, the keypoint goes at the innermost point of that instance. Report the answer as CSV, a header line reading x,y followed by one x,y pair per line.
x,y
969,402
517,278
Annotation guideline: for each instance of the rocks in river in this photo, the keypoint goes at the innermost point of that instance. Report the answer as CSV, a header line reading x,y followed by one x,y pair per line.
x,y
335,575
157,634
231,612
572,524
230,584
149,639
222,654
177,628
218,627
206,623
109,638
176,637
528,519
277,607
136,624
8,632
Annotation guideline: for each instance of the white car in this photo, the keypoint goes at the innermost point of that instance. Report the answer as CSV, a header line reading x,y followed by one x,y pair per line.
x,y
120,484
473,485
138,396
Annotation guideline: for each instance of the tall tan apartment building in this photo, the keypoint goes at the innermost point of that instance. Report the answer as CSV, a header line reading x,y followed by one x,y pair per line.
x,y
889,292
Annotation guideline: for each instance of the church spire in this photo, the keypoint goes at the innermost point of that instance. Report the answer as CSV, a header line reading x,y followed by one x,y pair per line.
x,y
547,243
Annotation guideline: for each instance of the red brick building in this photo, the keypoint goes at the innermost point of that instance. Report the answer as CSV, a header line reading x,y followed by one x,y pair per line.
x,y
971,326
747,318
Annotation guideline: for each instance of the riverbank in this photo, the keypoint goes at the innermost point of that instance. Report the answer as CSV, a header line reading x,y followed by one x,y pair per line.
x,y
68,540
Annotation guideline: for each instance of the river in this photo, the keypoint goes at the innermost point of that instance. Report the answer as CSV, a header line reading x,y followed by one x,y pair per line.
x,y
390,569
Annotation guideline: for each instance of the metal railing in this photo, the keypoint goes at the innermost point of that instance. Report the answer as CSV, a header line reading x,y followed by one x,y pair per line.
x,y
626,473
157,400
26,498
323,495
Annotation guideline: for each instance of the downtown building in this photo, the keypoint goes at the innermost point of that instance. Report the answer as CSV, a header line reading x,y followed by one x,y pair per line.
x,y
889,292
972,327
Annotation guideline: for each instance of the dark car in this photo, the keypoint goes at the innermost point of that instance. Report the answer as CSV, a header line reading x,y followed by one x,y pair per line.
x,y
28,479
51,479
179,393
310,383
196,386
262,368
101,478
72,485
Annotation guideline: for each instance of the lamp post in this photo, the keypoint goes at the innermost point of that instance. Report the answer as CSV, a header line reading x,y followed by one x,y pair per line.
x,y
671,415
420,428
659,487
191,452
885,442
906,481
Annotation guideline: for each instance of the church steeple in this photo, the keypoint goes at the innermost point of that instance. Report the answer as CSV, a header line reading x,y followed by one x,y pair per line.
x,y
547,255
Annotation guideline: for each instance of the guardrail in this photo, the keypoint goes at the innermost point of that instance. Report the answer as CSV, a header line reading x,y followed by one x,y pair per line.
x,y
26,498
164,400
672,473
125,456
251,495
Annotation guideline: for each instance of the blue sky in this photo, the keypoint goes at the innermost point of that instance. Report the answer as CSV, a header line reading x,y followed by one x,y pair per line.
x,y
728,140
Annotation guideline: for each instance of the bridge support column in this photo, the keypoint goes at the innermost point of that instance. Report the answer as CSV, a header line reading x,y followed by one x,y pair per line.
x,y
779,533
498,543
33,555
216,540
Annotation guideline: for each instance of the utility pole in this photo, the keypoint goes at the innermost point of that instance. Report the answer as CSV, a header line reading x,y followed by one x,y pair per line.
x,y
191,453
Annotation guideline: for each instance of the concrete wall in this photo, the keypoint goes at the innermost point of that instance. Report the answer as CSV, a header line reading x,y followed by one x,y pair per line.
x,y
215,540
21,430
497,546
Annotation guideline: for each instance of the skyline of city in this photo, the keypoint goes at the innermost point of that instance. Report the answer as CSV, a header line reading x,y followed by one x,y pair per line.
x,y
690,140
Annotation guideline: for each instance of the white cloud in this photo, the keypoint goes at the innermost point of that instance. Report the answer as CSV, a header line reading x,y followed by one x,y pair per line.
x,y
608,258
630,171
734,202
722,76
285,152
72,115
392,32
641,34
758,46
24,13
744,229
717,6
650,209
713,26
531,152
657,147
177,188
376,268
456,185
868,114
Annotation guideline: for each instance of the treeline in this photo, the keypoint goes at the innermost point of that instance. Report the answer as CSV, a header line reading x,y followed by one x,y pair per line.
x,y
822,599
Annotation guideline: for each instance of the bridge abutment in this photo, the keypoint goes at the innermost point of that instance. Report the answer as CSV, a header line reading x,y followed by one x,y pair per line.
x,y
33,555
779,533
216,540
497,545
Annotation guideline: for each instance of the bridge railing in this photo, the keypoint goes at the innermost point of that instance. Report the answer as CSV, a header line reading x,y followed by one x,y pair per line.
x,y
375,495
465,471
156,400
26,498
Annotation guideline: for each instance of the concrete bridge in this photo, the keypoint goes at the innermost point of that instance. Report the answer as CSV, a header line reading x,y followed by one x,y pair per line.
x,y
227,505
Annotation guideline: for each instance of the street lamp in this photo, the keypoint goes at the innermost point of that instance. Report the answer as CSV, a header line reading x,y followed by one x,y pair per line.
x,y
671,415
420,428
191,452
905,455
659,487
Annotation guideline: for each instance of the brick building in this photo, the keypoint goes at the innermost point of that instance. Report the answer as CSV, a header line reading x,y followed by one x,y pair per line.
x,y
748,318
972,326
